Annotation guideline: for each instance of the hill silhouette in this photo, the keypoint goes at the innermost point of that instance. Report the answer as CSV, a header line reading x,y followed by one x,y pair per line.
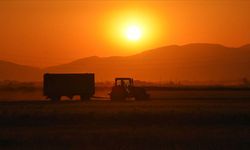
x,y
201,62
193,62
12,71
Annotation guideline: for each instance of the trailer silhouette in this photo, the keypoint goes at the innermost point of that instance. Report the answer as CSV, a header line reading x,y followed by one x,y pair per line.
x,y
57,85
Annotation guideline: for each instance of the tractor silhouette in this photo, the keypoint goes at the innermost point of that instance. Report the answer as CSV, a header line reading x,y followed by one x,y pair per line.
x,y
124,88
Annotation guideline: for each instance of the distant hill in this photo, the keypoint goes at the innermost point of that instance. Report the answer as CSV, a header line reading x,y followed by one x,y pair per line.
x,y
12,71
193,62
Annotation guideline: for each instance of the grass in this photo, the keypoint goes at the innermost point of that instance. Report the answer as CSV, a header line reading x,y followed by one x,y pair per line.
x,y
156,124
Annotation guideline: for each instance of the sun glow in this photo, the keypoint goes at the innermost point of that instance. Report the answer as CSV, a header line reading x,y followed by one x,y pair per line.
x,y
133,30
133,33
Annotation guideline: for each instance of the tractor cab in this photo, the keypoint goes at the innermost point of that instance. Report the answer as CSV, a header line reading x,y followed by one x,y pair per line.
x,y
124,82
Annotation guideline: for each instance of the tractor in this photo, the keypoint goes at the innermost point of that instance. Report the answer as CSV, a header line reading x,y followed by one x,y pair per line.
x,y
124,88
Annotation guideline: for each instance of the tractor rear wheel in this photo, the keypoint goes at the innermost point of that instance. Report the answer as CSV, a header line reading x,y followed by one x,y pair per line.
x,y
117,97
118,93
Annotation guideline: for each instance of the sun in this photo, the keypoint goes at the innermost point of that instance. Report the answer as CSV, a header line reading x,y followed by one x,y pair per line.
x,y
133,30
133,33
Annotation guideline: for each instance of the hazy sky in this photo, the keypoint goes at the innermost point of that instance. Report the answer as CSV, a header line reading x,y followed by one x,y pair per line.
x,y
49,33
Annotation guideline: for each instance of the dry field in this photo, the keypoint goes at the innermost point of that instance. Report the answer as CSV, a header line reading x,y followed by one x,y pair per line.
x,y
130,125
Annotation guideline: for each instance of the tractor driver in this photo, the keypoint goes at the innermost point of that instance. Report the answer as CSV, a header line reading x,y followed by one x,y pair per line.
x,y
122,83
125,85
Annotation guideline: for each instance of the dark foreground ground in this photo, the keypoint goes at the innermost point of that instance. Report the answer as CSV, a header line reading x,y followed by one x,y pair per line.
x,y
155,124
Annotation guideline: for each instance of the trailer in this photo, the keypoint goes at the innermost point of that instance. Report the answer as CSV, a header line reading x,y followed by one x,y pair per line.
x,y
57,85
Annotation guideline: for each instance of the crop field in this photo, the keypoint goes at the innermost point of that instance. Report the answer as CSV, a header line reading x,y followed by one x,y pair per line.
x,y
130,125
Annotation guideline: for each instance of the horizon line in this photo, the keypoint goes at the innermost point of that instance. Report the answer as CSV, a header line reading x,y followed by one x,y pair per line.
x,y
178,45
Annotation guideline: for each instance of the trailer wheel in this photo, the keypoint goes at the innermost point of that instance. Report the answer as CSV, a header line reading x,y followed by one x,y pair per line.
x,y
84,97
70,97
55,98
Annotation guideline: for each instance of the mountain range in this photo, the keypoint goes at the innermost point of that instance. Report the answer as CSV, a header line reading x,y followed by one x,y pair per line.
x,y
192,62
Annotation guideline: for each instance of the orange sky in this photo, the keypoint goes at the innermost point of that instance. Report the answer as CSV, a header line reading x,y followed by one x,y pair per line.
x,y
50,33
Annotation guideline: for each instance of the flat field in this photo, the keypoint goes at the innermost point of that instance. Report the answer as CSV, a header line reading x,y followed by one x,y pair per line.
x,y
130,125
